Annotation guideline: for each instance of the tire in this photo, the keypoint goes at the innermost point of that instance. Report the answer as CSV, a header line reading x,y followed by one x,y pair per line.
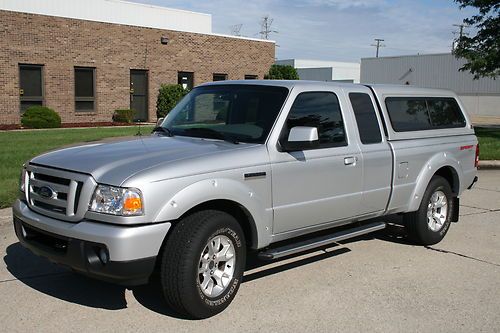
x,y
430,223
189,268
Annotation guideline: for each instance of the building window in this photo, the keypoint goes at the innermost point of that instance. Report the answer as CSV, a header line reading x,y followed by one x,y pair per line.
x,y
219,77
251,77
186,79
84,89
30,86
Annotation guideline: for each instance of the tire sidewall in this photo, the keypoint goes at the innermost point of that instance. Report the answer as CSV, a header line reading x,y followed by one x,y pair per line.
x,y
222,224
429,236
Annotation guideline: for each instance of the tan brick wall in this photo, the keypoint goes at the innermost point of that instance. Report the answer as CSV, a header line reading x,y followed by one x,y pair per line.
x,y
60,44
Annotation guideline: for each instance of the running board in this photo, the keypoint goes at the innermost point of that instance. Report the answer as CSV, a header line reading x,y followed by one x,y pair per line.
x,y
320,241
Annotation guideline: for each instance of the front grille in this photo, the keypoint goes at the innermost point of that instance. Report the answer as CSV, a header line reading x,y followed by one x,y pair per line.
x,y
58,193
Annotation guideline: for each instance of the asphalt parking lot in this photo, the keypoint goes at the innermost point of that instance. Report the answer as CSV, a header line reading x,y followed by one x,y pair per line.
x,y
376,283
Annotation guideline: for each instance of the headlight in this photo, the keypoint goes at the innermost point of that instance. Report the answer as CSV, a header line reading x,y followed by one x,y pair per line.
x,y
22,180
117,201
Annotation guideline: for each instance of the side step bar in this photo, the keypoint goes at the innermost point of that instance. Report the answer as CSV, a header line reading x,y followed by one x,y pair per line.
x,y
309,244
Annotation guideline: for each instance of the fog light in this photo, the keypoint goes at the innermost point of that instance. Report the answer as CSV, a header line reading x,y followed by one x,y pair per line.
x,y
103,256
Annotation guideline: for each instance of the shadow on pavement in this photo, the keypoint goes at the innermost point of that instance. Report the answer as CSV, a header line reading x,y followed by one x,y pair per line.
x,y
50,279
56,281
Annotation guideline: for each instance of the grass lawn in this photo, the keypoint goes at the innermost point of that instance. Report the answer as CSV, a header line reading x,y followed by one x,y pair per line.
x,y
489,143
16,147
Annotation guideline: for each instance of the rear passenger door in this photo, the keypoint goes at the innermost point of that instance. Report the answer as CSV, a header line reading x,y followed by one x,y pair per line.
x,y
319,185
375,151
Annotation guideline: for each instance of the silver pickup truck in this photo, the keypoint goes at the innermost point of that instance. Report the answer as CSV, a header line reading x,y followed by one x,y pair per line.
x,y
248,165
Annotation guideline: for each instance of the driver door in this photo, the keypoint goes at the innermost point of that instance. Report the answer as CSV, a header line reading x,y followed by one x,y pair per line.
x,y
319,185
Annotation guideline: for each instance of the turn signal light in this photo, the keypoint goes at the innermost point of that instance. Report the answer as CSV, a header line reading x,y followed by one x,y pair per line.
x,y
132,204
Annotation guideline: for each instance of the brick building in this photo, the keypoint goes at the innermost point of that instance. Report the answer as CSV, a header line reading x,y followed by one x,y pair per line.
x,y
86,59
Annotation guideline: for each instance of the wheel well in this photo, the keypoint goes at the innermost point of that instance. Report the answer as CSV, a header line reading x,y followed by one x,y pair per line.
x,y
449,173
240,213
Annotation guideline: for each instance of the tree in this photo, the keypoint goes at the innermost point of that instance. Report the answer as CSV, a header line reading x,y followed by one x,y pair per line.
x,y
168,97
282,72
481,51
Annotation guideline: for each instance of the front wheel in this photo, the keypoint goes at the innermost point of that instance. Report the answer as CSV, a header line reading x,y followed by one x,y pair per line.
x,y
430,223
203,263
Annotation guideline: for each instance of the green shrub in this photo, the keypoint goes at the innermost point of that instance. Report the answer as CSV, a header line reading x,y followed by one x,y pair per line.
x,y
124,116
168,96
282,72
40,117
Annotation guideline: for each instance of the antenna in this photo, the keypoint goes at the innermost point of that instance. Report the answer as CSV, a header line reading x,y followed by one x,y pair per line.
x,y
378,45
265,27
235,29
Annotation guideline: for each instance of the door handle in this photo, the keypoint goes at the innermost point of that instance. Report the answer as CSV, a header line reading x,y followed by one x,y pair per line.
x,y
351,160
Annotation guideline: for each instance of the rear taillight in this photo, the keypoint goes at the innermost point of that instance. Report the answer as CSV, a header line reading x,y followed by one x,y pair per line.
x,y
476,161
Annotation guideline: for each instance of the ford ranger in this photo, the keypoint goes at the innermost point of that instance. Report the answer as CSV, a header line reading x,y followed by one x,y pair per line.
x,y
245,165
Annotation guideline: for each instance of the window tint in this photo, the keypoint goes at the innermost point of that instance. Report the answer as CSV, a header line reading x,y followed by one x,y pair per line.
x,y
408,114
423,113
369,130
320,110
445,112
84,89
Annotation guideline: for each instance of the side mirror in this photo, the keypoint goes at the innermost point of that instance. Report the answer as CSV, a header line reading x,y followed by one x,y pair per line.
x,y
301,138
159,121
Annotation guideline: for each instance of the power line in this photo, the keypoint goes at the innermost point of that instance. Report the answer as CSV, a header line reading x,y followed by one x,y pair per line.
x,y
378,45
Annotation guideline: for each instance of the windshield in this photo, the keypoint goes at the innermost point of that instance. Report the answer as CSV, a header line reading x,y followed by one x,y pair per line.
x,y
237,113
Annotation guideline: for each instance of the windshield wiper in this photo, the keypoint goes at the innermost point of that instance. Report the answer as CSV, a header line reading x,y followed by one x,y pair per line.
x,y
210,133
163,130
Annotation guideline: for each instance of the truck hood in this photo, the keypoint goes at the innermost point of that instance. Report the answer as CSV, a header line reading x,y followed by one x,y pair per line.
x,y
113,162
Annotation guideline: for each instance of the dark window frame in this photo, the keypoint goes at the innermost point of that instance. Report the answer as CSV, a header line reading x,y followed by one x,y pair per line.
x,y
220,75
23,98
179,73
426,100
85,98
251,77
285,131
377,122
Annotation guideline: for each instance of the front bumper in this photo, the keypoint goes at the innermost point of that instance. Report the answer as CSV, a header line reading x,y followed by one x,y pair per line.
x,y
131,251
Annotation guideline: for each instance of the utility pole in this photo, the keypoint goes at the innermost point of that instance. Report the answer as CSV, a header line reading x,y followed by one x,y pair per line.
x,y
378,45
460,33
265,27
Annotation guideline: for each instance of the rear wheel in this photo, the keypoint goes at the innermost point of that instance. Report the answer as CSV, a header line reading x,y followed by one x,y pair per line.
x,y
203,263
430,223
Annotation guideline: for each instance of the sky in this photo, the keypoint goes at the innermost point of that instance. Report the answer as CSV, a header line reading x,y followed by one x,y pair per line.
x,y
337,30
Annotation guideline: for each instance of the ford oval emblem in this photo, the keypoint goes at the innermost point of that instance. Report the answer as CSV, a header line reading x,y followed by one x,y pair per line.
x,y
46,192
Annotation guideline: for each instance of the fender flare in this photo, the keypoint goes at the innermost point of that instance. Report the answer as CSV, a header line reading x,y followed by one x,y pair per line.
x,y
430,168
221,189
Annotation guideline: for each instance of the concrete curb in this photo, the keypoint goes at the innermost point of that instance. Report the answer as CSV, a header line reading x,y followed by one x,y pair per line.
x,y
489,164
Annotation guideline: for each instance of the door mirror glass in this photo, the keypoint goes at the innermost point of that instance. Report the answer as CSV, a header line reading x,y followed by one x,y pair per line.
x,y
159,121
301,138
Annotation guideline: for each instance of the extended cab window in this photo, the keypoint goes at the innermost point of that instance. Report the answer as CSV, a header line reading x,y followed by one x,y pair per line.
x,y
423,113
320,110
369,130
